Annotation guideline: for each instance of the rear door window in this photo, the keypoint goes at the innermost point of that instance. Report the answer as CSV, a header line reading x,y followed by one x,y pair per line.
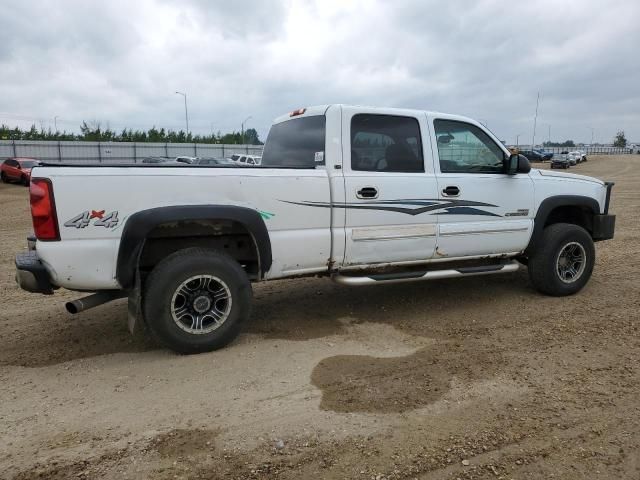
x,y
386,143
295,143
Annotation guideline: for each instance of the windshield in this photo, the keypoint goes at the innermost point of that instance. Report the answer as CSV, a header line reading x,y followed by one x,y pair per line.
x,y
295,143
28,163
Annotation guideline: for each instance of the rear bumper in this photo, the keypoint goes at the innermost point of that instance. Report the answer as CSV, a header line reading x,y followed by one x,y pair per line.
x,y
31,275
603,227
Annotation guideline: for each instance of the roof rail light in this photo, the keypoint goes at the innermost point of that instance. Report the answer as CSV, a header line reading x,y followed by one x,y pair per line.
x,y
295,113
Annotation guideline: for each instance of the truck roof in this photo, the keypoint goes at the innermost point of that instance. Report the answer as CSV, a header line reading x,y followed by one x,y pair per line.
x,y
321,110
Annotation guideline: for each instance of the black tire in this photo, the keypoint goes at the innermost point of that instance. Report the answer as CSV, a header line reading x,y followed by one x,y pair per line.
x,y
162,291
545,264
4,178
24,181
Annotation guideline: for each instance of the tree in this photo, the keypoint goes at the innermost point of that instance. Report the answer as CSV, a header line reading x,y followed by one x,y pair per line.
x,y
620,140
251,137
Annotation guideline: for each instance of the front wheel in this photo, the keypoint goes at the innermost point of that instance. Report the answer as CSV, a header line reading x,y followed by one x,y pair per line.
x,y
564,261
196,300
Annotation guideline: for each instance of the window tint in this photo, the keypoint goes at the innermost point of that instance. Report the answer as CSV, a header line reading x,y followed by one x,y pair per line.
x,y
386,143
294,143
464,148
29,163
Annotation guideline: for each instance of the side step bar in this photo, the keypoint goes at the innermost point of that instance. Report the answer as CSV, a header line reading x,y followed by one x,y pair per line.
x,y
417,276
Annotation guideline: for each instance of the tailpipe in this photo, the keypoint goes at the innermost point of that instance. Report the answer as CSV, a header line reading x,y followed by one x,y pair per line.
x,y
94,300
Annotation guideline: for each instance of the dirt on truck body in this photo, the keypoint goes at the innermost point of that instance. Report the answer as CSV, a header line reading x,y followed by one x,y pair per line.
x,y
474,378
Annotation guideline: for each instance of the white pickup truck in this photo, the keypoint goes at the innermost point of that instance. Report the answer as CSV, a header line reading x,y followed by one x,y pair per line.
x,y
363,195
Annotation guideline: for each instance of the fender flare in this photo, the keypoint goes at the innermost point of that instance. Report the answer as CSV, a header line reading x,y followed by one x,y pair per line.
x,y
551,203
140,224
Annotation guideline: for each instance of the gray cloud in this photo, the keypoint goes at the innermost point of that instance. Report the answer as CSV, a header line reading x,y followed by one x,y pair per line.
x,y
120,62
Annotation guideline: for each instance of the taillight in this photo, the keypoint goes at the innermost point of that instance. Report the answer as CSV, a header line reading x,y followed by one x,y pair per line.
x,y
43,209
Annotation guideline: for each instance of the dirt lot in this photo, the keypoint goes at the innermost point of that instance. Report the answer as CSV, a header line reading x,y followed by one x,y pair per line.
x,y
474,378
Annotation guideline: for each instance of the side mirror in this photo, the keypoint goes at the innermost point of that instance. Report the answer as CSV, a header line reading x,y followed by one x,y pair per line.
x,y
517,164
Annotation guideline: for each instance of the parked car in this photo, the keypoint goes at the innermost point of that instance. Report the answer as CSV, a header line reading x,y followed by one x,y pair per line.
x,y
17,169
546,155
184,159
583,155
573,157
246,159
560,162
212,161
157,160
362,195
533,155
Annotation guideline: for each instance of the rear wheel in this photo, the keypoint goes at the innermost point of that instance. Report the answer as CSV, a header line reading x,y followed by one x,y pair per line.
x,y
196,300
4,178
563,263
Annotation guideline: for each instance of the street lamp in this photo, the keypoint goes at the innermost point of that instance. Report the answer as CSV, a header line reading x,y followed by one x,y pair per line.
x,y
592,134
55,122
549,125
242,127
518,139
186,114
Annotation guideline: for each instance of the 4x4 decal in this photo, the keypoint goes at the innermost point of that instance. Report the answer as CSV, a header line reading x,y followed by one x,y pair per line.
x,y
99,218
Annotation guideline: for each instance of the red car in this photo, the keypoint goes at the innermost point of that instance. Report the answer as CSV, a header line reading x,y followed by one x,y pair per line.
x,y
17,169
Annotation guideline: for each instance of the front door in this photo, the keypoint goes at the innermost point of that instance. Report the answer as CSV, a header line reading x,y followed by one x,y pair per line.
x,y
484,210
389,185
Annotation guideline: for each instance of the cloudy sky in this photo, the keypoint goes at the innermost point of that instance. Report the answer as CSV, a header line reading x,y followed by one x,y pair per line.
x,y
120,62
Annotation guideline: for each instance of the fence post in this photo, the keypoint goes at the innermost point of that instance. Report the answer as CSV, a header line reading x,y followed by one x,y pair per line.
x,y
166,149
13,141
99,153
247,148
135,153
59,152
195,149
223,151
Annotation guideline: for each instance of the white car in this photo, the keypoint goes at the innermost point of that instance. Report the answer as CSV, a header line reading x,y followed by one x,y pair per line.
x,y
246,159
363,195
574,158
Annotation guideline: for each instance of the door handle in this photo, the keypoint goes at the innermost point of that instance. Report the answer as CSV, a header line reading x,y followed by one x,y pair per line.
x,y
367,193
451,191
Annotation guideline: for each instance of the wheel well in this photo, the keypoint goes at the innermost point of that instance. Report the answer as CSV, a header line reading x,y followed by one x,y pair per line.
x,y
227,236
577,215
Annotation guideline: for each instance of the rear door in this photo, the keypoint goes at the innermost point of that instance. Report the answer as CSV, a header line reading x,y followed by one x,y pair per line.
x,y
390,187
13,172
483,210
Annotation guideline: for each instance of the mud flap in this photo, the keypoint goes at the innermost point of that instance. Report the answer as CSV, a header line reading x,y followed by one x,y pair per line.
x,y
135,319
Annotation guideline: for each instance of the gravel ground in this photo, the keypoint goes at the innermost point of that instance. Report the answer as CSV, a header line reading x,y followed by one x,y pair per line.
x,y
458,379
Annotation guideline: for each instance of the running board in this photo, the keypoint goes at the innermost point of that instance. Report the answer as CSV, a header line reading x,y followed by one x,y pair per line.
x,y
416,276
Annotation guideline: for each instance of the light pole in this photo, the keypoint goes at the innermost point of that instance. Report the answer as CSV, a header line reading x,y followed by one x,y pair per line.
x,y
592,134
535,120
55,123
518,139
242,128
186,114
549,125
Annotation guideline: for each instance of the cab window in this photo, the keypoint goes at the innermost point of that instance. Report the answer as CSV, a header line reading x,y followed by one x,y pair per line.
x,y
386,143
465,148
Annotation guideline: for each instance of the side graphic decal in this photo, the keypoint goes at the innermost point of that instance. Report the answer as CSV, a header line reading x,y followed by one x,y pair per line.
x,y
411,206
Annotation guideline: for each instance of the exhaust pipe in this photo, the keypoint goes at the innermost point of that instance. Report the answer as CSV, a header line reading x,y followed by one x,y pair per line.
x,y
94,300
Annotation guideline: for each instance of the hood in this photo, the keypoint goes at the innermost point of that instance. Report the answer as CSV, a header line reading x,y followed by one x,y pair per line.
x,y
584,178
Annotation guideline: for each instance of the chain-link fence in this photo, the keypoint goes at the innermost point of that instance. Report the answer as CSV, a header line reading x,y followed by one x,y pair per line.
x,y
116,152
590,150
